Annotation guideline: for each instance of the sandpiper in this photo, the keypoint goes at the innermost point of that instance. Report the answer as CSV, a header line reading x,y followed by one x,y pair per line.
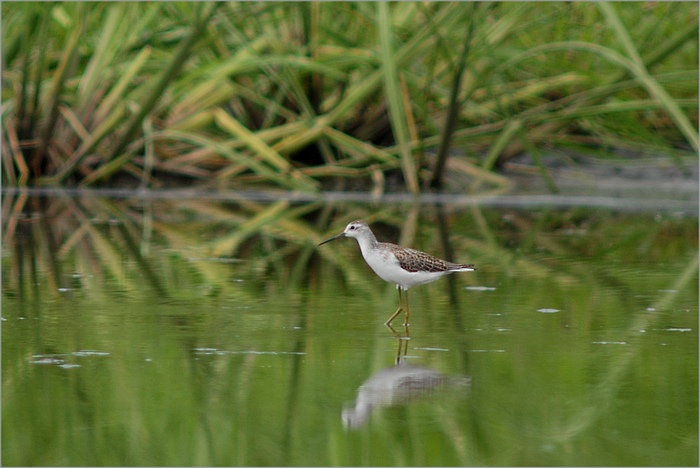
x,y
399,265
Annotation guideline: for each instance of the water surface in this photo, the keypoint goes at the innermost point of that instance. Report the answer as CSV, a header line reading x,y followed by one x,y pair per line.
x,y
189,331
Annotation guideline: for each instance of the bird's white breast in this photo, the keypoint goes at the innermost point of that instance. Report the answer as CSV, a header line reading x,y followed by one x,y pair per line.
x,y
387,267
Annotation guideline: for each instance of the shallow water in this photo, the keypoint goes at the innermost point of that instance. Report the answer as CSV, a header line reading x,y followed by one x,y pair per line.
x,y
215,332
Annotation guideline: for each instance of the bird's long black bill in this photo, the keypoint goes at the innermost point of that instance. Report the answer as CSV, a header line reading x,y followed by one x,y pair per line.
x,y
332,238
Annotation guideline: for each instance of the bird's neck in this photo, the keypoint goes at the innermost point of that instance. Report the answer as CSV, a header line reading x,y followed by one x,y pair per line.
x,y
367,243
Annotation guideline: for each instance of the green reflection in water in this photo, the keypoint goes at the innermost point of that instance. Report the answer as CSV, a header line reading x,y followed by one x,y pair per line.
x,y
215,334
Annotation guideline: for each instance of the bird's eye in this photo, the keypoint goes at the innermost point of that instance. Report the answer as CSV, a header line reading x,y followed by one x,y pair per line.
x,y
352,228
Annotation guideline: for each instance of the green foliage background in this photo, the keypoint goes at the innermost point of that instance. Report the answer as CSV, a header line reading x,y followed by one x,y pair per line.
x,y
303,96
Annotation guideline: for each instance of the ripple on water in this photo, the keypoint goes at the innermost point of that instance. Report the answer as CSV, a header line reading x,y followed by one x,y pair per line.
x,y
90,352
59,360
46,360
218,352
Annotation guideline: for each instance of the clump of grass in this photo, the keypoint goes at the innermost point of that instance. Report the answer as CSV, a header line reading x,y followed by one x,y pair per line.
x,y
305,96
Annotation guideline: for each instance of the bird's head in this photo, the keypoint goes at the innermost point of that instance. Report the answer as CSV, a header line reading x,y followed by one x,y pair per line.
x,y
354,229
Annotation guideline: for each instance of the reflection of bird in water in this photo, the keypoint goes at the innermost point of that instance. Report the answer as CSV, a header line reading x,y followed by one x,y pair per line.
x,y
399,265
396,385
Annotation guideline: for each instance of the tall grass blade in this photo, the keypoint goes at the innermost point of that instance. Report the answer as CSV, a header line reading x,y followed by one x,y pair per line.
x,y
639,70
253,164
13,153
651,85
107,126
672,44
54,97
261,149
119,90
24,86
393,93
454,103
28,128
160,86
106,51
503,140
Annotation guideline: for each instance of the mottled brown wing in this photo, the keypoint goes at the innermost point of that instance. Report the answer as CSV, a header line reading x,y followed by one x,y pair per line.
x,y
415,260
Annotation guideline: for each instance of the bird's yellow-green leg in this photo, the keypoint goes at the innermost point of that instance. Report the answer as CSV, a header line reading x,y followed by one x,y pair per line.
x,y
408,310
398,311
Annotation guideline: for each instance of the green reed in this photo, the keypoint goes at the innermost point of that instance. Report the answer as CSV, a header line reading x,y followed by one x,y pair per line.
x,y
300,96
